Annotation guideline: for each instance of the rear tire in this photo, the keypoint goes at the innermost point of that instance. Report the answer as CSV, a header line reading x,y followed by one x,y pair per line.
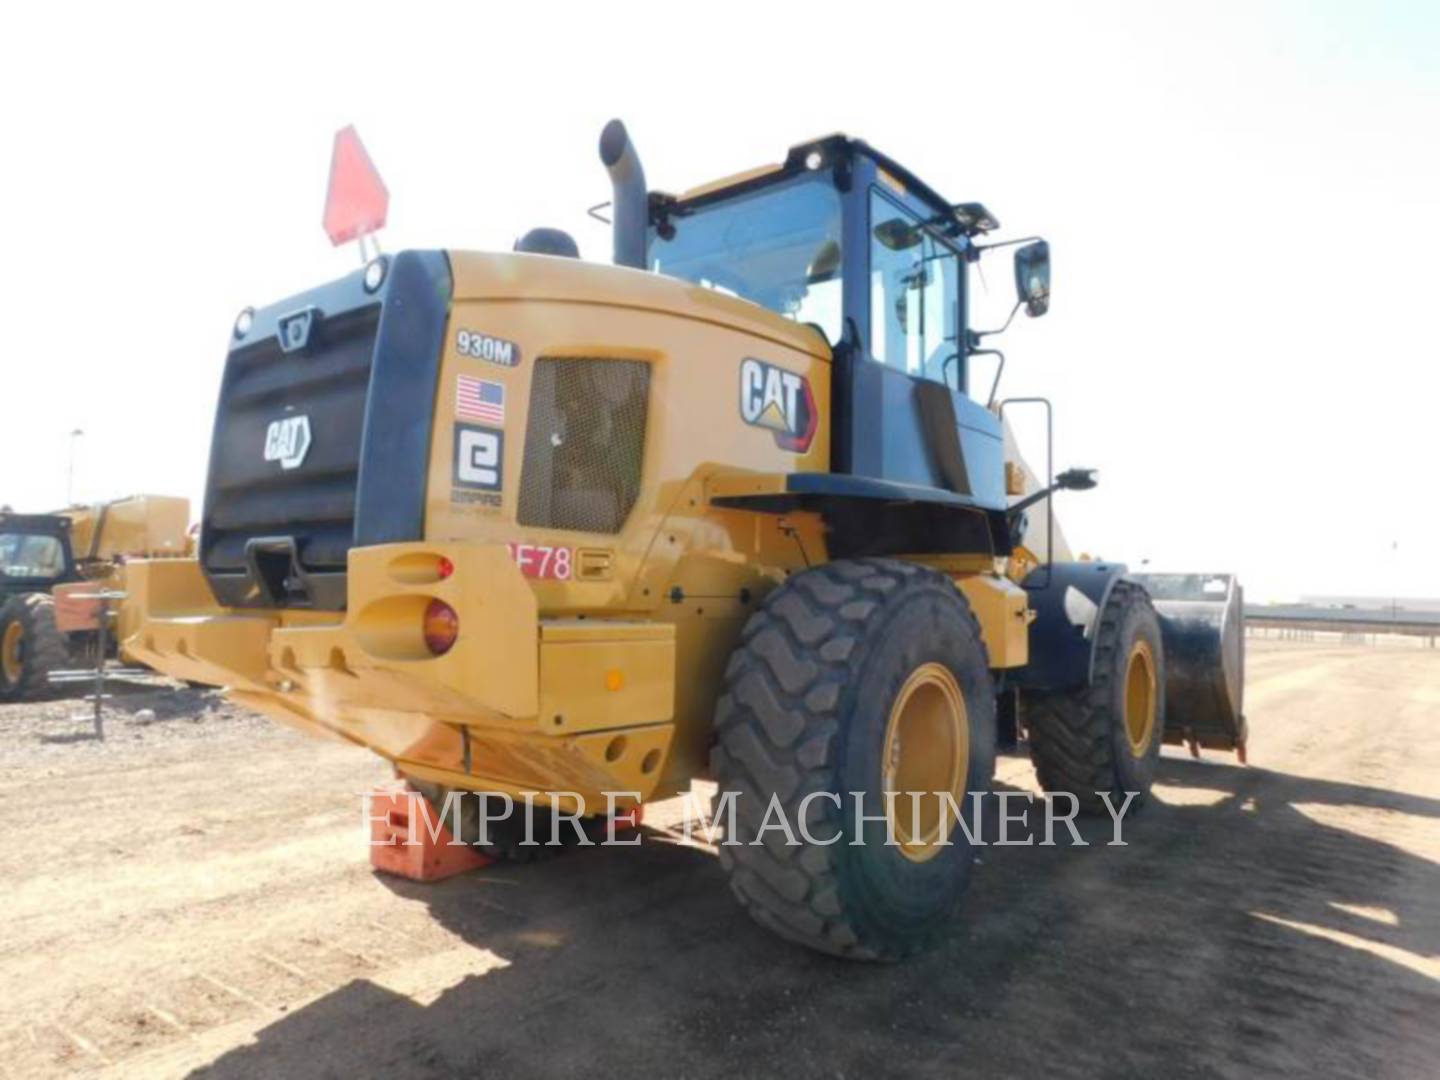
x,y
30,646
1106,737
816,700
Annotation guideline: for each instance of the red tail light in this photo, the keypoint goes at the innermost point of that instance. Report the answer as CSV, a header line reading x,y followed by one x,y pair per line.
x,y
444,568
442,627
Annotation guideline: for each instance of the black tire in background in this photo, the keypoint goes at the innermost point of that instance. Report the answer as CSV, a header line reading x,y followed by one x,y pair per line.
x,y
1106,737
825,672
30,646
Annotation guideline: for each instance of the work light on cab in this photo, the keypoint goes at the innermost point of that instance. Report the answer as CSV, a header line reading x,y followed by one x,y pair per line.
x,y
441,627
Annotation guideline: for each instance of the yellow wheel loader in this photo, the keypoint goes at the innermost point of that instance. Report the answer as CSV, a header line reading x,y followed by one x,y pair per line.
x,y
735,507
51,563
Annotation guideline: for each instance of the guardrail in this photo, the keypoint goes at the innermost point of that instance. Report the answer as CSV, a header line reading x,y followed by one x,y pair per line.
x,y
1345,620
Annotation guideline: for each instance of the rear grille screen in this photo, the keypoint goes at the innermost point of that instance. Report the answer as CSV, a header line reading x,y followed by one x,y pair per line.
x,y
584,443
314,503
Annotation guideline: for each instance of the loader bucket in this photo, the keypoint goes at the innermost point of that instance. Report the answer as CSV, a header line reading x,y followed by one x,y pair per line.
x,y
1202,624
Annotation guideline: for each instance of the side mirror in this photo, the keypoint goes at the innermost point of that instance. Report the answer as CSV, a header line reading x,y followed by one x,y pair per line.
x,y
1076,480
1032,277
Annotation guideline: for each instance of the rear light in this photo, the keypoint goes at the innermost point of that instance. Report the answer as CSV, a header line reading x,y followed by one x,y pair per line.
x,y
441,627
375,274
444,568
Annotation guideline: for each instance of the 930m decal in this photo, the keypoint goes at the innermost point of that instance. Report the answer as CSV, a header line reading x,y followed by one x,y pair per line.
x,y
493,350
772,397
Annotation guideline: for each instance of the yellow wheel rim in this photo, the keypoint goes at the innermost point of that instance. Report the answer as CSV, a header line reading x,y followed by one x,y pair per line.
x,y
1140,698
927,749
10,659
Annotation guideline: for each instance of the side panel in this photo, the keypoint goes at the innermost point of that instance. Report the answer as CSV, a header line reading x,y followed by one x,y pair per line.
x,y
1067,599
718,396
1000,607
485,408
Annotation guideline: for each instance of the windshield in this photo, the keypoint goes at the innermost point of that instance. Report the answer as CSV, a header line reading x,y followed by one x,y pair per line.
x,y
28,556
778,247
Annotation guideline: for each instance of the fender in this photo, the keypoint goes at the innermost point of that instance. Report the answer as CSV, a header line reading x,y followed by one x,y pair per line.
x,y
1067,599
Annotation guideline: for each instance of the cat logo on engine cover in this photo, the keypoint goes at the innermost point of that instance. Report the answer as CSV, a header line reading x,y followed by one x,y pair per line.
x,y
775,398
287,441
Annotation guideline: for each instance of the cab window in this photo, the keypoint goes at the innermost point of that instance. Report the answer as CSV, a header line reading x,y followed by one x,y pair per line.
x,y
30,556
914,295
778,246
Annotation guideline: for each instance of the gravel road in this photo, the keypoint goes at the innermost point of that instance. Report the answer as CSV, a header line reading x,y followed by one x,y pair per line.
x,y
195,893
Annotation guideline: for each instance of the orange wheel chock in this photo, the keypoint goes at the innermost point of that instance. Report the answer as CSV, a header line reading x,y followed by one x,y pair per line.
x,y
406,839
628,820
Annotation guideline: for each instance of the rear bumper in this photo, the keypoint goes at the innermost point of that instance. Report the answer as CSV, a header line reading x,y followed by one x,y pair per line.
x,y
519,704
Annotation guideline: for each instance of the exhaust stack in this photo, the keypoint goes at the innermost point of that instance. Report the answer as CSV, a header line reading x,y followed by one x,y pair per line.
x,y
630,201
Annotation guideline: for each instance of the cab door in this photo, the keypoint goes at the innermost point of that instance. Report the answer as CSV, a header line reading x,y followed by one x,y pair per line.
x,y
915,421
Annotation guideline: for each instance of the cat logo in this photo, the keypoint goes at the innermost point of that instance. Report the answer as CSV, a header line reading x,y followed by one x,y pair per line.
x,y
772,397
288,441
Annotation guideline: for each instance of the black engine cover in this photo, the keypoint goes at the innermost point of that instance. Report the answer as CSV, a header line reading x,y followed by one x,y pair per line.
x,y
322,435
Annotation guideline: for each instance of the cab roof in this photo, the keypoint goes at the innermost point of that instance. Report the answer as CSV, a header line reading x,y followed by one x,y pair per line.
x,y
837,152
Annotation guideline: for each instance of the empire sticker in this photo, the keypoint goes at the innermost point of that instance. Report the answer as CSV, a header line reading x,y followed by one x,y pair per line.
x,y
479,465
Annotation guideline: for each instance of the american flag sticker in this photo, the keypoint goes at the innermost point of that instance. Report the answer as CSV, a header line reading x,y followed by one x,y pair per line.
x,y
479,399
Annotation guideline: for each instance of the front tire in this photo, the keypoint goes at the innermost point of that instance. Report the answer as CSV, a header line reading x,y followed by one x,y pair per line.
x,y
855,677
1105,737
30,646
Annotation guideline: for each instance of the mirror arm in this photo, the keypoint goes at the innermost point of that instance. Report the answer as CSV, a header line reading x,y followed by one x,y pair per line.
x,y
1069,480
1030,500
977,249
976,335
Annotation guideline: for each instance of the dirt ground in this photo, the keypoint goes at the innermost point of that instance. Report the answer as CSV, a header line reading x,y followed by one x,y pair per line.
x,y
195,893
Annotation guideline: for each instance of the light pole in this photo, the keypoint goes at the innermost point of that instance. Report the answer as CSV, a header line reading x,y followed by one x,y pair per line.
x,y
1395,581
70,476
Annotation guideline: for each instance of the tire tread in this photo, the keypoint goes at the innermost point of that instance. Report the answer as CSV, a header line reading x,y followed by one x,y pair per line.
x,y
1071,734
778,730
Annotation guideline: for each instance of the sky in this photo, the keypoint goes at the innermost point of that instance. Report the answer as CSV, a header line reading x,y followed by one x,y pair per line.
x,y
1242,201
